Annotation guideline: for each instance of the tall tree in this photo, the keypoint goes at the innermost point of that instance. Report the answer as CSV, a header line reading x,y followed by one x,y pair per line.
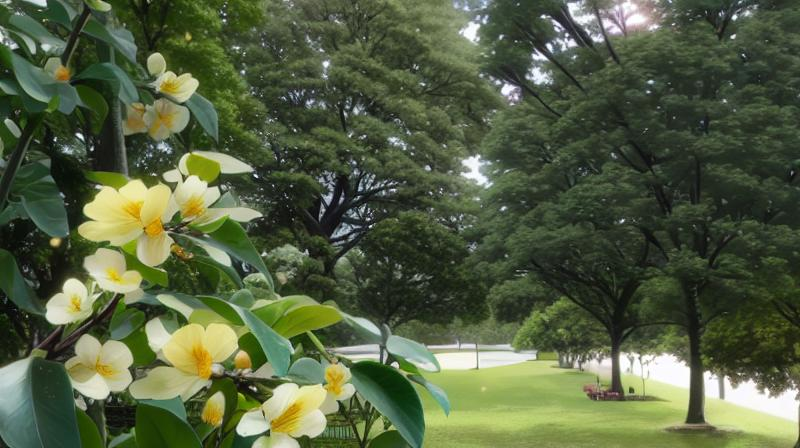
x,y
412,268
372,106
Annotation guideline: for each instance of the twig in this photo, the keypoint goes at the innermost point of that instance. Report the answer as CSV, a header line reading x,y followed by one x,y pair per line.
x,y
72,42
320,347
100,317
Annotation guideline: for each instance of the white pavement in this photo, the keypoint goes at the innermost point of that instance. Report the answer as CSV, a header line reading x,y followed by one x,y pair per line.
x,y
667,369
464,359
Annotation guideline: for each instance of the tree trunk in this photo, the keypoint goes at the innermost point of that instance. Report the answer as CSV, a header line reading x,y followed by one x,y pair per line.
x,y
797,444
721,383
110,153
616,374
696,412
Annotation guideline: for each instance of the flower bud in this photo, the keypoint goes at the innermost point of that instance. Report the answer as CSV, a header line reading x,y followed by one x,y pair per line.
x,y
242,360
156,64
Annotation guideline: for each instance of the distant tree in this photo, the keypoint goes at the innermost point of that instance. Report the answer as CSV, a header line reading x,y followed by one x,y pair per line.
x,y
412,268
690,119
565,328
371,108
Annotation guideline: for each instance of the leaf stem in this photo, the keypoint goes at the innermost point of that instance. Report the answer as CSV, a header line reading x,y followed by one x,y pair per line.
x,y
320,347
83,329
72,42
15,161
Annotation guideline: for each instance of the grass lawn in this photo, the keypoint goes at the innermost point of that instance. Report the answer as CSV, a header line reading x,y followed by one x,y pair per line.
x,y
537,405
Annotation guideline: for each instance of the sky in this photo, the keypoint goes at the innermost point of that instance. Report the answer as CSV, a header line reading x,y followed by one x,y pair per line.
x,y
473,163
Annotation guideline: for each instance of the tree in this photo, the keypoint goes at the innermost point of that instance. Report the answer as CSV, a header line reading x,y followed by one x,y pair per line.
x,y
696,124
412,268
551,219
372,106
565,328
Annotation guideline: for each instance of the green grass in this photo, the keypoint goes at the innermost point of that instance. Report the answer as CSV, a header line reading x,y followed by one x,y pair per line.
x,y
537,405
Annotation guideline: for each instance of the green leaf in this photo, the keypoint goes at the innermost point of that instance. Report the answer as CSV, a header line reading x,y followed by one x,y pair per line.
x,y
413,352
205,114
38,408
120,39
393,396
307,371
173,405
59,12
272,312
41,198
232,239
436,392
364,328
34,81
94,102
231,394
153,275
119,81
126,322
307,318
125,440
107,178
388,439
243,298
37,31
159,427
206,169
137,344
14,286
90,435
277,348
229,271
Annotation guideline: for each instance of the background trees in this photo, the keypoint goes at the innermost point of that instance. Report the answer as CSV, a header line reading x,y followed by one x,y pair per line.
x,y
693,128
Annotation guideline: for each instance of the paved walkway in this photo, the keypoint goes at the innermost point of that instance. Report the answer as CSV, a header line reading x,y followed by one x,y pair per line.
x,y
454,359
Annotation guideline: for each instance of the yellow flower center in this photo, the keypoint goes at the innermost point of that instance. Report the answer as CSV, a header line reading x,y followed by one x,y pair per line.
x,y
113,275
212,414
75,303
154,228
133,208
335,380
289,420
170,86
62,74
202,360
104,370
195,206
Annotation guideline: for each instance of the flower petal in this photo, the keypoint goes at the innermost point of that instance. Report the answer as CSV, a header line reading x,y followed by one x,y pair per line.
x,y
252,423
163,383
220,341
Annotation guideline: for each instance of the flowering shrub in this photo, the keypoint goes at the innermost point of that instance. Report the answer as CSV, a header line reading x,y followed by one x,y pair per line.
x,y
252,365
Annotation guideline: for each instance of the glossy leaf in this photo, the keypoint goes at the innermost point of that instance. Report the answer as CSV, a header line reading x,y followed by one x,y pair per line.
x,y
365,329
41,198
14,286
388,439
156,426
206,169
205,114
126,322
37,409
306,318
436,392
228,271
37,31
33,80
107,178
277,348
232,239
173,405
413,352
90,436
393,396
96,106
307,371
120,39
121,85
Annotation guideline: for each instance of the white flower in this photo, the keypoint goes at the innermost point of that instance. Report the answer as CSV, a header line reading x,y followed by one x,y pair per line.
x,y
192,352
109,270
156,65
165,118
194,199
97,370
178,88
59,72
227,165
134,119
337,386
290,413
73,304
214,410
